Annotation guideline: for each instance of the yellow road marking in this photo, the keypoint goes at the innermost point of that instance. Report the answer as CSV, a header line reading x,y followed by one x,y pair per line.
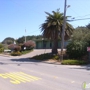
x,y
55,77
19,77
15,79
35,78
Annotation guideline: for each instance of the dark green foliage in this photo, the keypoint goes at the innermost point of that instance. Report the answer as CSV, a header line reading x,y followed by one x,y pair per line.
x,y
26,51
76,49
52,28
16,53
73,62
1,48
8,40
21,40
79,42
81,34
46,56
88,26
33,37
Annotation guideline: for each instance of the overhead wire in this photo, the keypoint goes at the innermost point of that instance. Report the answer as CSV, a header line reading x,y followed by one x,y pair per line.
x,y
78,17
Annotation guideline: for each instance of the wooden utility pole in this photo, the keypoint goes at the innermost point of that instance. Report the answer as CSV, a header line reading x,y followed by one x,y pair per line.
x,y
63,31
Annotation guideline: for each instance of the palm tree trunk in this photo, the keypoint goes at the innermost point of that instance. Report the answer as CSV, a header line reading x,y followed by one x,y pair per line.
x,y
55,46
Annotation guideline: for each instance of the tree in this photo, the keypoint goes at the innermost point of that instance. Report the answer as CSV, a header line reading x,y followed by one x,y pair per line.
x,y
1,48
29,44
21,40
52,28
88,26
81,34
79,42
8,40
14,47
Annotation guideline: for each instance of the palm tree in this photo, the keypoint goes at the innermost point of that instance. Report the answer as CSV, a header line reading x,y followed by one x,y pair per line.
x,y
52,28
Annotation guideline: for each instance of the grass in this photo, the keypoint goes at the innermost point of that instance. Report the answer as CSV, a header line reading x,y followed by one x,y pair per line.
x,y
56,57
73,62
26,51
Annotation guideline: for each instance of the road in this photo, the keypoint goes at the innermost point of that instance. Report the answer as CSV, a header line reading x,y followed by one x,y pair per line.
x,y
18,73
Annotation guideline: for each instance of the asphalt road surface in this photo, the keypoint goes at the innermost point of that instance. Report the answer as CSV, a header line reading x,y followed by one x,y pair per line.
x,y
18,73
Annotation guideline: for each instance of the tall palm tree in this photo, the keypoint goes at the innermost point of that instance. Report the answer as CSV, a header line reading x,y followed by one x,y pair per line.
x,y
52,28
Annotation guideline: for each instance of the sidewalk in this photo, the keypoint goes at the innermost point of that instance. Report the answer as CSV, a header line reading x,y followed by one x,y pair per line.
x,y
6,55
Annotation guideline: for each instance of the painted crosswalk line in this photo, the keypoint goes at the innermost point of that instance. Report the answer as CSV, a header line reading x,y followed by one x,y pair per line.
x,y
19,77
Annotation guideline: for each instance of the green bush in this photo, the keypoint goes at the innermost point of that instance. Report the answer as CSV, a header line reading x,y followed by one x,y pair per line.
x,y
56,57
73,62
16,53
76,49
1,46
1,50
26,51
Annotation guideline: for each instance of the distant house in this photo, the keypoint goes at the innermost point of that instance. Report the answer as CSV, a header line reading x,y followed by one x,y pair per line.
x,y
48,44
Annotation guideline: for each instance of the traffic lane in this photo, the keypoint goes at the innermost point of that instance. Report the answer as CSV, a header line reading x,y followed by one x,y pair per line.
x,y
51,69
39,85
47,72
33,85
64,70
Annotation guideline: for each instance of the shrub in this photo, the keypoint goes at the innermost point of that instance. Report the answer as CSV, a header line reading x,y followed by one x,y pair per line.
x,y
16,53
29,44
73,62
1,46
17,48
14,47
26,51
76,49
1,50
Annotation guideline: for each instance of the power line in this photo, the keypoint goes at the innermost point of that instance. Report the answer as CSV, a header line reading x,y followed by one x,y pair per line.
x,y
78,14
78,19
74,11
82,16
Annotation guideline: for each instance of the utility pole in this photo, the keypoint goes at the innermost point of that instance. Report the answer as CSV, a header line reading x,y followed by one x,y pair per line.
x,y
25,35
63,31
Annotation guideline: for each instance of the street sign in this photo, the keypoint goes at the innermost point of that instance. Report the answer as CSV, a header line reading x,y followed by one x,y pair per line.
x,y
88,49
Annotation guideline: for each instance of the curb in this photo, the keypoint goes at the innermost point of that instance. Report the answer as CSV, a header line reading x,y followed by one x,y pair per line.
x,y
4,55
56,63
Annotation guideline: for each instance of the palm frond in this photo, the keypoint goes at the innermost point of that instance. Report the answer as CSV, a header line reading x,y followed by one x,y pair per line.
x,y
52,27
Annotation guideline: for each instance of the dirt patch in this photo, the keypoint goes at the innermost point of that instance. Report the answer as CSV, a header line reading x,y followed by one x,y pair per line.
x,y
51,61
